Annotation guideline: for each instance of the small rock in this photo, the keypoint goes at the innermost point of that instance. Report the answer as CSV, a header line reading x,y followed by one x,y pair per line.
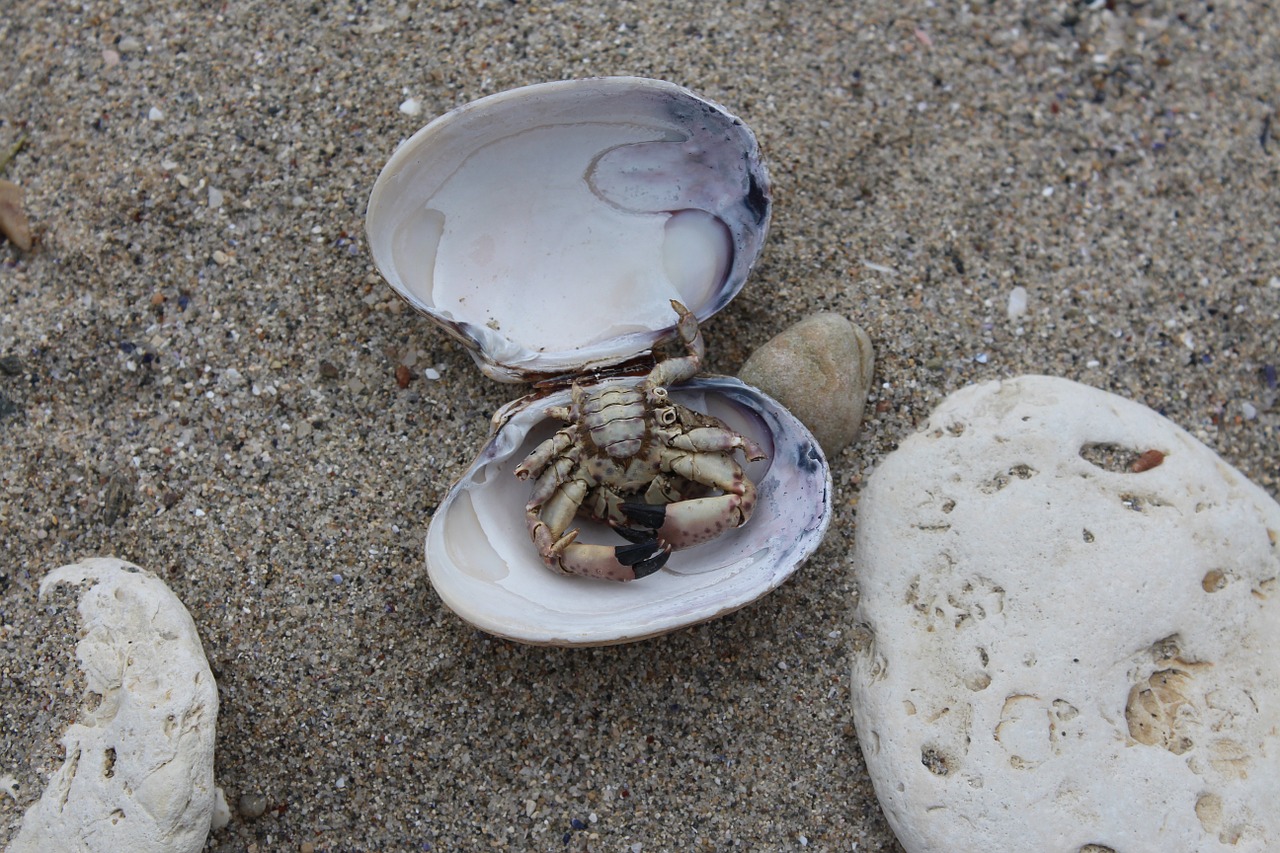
x,y
155,114
11,365
329,370
821,370
403,376
118,497
13,219
138,772
1017,302
1061,649
252,806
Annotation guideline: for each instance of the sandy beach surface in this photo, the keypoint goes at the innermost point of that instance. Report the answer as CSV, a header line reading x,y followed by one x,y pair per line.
x,y
198,370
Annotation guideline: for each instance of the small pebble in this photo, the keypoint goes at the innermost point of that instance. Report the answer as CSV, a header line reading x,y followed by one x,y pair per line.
x,y
820,369
1249,411
215,198
329,370
13,219
155,114
1017,302
403,376
411,107
252,806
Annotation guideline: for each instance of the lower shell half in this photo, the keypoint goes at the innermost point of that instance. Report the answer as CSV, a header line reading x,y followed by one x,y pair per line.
x,y
486,570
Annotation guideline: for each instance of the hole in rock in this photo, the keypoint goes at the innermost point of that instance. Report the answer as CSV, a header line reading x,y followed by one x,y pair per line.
x,y
109,762
1120,460
934,761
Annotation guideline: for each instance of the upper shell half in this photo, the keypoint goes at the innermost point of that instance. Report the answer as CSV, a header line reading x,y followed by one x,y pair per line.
x,y
548,227
486,570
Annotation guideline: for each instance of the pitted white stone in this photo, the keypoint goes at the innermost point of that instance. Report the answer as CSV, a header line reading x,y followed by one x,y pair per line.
x,y
1068,631
138,771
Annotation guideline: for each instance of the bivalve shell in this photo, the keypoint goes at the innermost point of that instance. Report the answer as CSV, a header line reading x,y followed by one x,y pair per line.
x,y
549,227
485,569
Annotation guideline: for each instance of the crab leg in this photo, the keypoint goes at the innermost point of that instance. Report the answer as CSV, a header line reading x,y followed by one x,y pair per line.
x,y
542,455
556,497
686,523
716,440
675,370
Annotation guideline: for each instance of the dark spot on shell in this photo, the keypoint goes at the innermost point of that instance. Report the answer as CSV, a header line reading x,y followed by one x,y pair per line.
x,y
756,200
808,458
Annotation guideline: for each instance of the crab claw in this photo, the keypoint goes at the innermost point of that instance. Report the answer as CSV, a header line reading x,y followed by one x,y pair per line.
x,y
684,524
611,562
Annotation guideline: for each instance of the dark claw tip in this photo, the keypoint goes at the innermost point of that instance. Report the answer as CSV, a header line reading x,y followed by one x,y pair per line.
x,y
632,534
634,555
645,515
644,568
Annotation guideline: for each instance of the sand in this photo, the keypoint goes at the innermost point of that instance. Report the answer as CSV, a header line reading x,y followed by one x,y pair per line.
x,y
198,370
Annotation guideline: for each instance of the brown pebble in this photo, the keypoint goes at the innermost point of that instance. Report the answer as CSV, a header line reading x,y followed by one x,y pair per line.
x,y
157,299
13,220
820,369
403,376
1147,461
329,370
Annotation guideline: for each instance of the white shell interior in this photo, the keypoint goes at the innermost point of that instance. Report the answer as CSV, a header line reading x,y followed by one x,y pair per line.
x,y
551,226
484,567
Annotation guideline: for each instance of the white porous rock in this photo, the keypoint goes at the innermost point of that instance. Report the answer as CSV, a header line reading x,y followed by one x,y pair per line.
x,y
138,772
1067,642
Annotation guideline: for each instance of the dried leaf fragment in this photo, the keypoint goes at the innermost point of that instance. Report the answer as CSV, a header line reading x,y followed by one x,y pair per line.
x,y
13,220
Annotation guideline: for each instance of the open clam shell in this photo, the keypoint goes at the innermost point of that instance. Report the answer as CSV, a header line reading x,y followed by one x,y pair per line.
x,y
548,227
486,570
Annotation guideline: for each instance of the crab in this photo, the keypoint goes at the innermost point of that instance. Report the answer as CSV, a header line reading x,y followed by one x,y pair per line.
x,y
660,474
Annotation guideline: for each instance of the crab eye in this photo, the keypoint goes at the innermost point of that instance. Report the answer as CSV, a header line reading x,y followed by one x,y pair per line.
x,y
666,416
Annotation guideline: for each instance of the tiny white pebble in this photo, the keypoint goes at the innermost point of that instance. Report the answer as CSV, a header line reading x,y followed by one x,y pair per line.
x,y
341,783
431,373
981,358
1017,302
1093,362
411,107
155,114
1046,192
215,198
198,513
1249,410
